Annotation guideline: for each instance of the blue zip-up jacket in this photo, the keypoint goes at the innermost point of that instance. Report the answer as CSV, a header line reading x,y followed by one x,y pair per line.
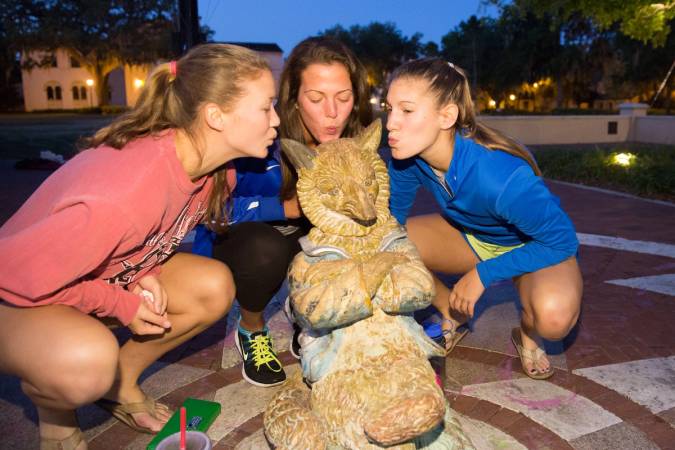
x,y
496,197
255,197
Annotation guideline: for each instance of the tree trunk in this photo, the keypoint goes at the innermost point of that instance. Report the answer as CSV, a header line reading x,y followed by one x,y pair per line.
x,y
100,80
559,94
669,95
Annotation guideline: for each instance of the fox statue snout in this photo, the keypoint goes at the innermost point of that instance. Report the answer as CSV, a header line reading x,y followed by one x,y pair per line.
x,y
359,205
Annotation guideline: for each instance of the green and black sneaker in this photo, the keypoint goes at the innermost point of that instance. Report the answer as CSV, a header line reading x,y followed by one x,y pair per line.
x,y
261,365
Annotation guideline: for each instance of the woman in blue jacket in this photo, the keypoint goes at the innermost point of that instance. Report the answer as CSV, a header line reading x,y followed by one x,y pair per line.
x,y
323,95
498,220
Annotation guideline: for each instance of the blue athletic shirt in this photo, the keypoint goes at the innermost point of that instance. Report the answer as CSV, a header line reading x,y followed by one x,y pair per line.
x,y
496,197
255,197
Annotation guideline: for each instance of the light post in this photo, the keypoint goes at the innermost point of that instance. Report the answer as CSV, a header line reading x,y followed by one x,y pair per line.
x,y
90,83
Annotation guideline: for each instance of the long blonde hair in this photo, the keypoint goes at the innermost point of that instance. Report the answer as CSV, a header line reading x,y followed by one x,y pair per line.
x,y
318,50
171,99
449,84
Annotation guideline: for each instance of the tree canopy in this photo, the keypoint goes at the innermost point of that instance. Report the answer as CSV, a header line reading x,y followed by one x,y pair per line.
x,y
380,46
100,34
643,20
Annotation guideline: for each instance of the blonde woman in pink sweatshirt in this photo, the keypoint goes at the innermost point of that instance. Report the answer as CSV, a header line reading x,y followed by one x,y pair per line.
x,y
96,241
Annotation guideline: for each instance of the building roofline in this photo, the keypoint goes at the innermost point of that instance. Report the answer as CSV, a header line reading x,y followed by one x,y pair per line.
x,y
257,46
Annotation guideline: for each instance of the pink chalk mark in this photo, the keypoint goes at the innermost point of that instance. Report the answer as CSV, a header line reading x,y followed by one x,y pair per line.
x,y
546,404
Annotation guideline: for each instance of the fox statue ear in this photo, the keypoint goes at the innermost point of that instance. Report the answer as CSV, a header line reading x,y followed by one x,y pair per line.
x,y
369,140
299,154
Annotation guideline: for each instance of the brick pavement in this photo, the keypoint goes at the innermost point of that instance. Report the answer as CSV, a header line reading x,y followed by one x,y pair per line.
x,y
614,385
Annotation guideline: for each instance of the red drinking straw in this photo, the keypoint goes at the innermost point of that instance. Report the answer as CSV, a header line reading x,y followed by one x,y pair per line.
x,y
183,413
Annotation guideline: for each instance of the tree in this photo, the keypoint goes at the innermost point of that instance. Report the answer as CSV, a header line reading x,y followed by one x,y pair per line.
x,y
643,20
500,54
380,46
645,68
10,46
100,34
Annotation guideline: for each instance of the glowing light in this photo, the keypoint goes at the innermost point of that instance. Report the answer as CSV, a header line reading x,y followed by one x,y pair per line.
x,y
623,159
536,85
138,83
492,103
373,101
512,97
89,82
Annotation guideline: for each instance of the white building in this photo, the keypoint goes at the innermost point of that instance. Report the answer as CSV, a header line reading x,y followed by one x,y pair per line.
x,y
66,85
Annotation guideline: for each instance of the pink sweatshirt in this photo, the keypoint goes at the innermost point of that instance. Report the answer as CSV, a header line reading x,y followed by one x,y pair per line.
x,y
97,225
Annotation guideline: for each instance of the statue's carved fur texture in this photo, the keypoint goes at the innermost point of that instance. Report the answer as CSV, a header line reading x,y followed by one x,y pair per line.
x,y
352,289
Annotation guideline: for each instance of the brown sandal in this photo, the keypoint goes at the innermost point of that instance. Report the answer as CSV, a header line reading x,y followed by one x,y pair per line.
x,y
530,355
123,412
453,335
69,443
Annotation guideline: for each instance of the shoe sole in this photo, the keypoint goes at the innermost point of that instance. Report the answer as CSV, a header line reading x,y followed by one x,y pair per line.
x,y
290,349
243,368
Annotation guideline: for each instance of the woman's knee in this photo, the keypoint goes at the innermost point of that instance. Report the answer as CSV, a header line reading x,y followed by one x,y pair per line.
x,y
254,247
83,372
216,290
555,315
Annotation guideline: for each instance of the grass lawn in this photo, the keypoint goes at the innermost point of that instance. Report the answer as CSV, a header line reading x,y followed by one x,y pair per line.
x,y
26,135
651,172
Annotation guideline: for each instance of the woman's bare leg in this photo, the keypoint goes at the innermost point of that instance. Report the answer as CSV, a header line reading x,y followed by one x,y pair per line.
x,y
551,299
64,358
443,249
200,291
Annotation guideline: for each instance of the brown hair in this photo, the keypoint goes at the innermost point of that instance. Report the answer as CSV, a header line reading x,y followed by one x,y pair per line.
x,y
318,50
450,85
210,73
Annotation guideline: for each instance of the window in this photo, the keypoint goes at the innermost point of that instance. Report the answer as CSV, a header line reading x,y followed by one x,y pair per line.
x,y
52,60
54,94
76,93
83,93
612,127
74,62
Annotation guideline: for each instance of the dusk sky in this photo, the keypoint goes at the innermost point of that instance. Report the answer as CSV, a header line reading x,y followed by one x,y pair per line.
x,y
286,22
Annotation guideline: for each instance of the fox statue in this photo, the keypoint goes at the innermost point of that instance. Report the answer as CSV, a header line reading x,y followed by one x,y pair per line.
x,y
353,289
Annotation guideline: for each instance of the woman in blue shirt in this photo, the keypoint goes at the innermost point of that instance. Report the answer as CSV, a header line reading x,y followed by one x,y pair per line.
x,y
498,220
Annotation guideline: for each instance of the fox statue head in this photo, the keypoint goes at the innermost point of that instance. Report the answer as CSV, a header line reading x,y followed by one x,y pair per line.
x,y
343,185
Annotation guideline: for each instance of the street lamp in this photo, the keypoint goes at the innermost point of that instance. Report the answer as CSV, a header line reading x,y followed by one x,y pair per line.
x,y
90,83
138,83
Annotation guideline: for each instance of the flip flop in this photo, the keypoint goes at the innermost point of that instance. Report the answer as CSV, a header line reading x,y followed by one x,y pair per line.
x,y
123,412
69,443
531,355
453,335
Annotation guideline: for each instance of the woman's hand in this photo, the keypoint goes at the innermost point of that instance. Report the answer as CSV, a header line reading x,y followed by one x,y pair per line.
x,y
292,208
146,321
151,317
466,292
151,290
